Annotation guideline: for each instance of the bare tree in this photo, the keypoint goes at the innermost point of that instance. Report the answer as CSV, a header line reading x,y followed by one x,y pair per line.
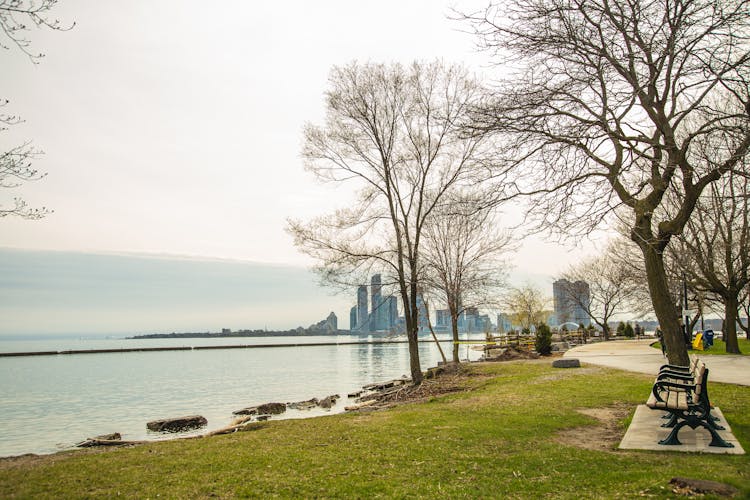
x,y
17,17
604,107
744,309
527,305
713,251
463,258
626,255
609,292
390,131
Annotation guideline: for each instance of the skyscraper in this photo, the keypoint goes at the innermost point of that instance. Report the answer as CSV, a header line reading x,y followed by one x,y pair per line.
x,y
353,319
571,300
422,319
503,323
377,317
392,312
363,323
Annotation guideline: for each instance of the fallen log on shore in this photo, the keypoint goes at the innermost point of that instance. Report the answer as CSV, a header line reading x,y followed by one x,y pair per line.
x,y
91,442
361,405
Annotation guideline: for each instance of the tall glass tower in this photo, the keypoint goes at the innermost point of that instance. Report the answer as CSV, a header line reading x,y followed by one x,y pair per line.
x,y
363,323
376,303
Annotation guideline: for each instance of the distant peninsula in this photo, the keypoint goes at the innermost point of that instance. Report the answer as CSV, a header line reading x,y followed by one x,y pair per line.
x,y
299,332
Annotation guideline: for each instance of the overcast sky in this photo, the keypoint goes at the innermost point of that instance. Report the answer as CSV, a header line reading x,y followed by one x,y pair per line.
x,y
174,127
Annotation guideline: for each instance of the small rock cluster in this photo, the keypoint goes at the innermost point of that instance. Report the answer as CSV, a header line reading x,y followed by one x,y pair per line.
x,y
265,411
177,424
246,416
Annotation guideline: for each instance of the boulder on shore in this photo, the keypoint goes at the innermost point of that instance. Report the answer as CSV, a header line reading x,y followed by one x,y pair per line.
x,y
328,401
264,409
272,408
177,424
115,436
252,410
304,405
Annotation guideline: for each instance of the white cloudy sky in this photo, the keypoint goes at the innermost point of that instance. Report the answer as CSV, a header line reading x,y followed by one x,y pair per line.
x,y
174,126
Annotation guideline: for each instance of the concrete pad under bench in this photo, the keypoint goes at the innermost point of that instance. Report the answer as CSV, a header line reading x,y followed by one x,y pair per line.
x,y
645,432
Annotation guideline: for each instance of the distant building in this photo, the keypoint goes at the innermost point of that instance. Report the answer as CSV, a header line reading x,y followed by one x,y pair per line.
x,y
333,321
363,323
377,316
422,318
353,319
391,310
328,325
471,324
443,318
484,323
504,324
571,300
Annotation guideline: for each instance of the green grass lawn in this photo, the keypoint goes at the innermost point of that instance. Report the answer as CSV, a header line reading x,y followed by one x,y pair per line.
x,y
720,348
497,440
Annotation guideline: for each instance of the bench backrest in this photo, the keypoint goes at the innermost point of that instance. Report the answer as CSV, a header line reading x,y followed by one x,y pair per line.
x,y
694,363
701,377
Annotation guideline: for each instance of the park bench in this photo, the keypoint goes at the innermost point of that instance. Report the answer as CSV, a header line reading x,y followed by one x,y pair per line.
x,y
684,396
694,361
679,373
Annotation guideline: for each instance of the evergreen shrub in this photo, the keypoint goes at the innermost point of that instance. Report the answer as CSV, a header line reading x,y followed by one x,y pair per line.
x,y
543,339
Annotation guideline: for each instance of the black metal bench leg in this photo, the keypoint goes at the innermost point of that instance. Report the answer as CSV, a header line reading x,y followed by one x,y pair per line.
x,y
717,440
715,426
671,422
671,439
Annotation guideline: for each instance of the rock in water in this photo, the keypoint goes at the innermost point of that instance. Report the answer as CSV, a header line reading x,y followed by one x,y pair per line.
x,y
252,410
304,405
115,436
271,408
177,424
329,401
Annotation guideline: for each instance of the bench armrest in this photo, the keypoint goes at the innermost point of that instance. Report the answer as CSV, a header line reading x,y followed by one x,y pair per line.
x,y
668,384
674,368
676,375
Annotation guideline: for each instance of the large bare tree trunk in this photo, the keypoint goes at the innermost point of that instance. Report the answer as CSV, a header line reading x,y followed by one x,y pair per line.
x,y
674,337
454,327
730,324
412,334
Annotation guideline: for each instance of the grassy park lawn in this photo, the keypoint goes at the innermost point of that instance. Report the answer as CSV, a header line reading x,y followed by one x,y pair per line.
x,y
720,348
513,431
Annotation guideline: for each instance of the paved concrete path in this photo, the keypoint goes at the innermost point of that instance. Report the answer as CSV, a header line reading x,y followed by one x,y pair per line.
x,y
639,356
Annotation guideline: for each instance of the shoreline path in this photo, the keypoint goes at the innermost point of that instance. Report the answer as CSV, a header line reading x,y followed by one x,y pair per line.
x,y
639,356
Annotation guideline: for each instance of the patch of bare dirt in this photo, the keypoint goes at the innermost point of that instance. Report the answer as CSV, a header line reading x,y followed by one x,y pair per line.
x,y
510,353
603,436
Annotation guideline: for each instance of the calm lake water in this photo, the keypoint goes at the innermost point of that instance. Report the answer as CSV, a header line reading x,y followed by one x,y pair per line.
x,y
49,403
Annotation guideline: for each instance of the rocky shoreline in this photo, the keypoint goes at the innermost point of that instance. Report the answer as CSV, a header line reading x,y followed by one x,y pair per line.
x,y
248,418
371,397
